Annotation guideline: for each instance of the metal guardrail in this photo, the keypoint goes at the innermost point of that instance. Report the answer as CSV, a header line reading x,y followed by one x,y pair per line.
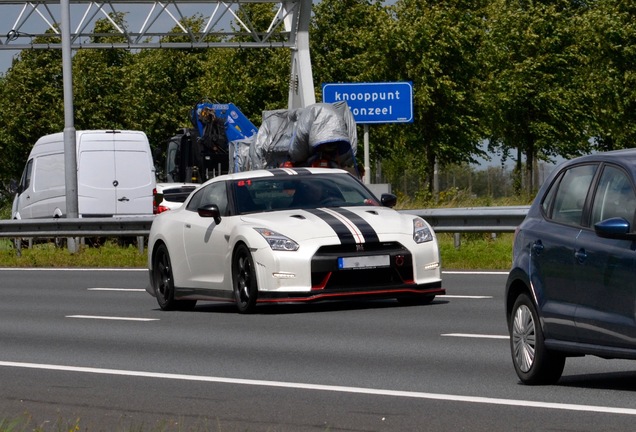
x,y
453,220
80,227
74,228
473,219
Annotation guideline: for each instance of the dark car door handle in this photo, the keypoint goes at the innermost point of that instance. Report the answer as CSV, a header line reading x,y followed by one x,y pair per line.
x,y
123,199
580,255
537,247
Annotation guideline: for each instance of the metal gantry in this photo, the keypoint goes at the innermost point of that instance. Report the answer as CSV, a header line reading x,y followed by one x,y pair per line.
x,y
70,25
147,25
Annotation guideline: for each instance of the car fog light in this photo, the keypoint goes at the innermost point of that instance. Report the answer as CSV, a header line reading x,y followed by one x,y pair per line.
x,y
431,266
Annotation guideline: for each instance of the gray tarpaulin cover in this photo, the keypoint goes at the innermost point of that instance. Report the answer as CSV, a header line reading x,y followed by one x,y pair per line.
x,y
295,135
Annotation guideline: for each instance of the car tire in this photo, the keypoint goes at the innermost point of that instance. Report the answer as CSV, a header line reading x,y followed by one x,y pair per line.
x,y
164,283
244,280
534,363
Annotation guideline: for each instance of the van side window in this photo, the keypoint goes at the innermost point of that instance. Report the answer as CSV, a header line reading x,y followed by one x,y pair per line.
x,y
25,182
49,172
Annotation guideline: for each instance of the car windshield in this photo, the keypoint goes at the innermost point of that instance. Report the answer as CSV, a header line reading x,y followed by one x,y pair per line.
x,y
300,192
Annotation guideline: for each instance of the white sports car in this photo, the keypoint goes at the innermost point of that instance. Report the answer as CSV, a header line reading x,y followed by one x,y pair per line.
x,y
290,235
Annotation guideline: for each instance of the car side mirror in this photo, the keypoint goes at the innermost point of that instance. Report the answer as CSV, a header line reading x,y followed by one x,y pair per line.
x,y
210,210
614,228
388,200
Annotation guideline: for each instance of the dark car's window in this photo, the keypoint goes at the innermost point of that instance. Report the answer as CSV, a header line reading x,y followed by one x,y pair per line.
x,y
301,191
548,199
569,198
215,193
614,196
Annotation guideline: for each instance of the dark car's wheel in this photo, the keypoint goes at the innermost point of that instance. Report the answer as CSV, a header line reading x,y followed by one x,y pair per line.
x,y
534,363
244,280
164,284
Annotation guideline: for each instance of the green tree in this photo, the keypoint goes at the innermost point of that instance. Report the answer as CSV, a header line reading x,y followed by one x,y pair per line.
x,y
434,45
99,81
256,79
532,103
344,41
607,36
162,86
348,44
31,95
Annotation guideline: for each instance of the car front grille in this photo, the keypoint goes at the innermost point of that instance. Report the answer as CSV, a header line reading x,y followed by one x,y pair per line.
x,y
326,274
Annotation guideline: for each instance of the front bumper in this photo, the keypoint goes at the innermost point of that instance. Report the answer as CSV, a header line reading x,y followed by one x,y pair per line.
x,y
380,270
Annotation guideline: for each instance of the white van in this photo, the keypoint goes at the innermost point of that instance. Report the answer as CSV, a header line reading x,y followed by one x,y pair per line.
x,y
115,176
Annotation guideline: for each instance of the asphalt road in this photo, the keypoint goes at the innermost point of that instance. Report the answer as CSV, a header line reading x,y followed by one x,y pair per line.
x,y
92,347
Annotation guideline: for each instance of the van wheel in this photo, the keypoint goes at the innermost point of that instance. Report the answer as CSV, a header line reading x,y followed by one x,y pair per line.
x,y
164,283
533,361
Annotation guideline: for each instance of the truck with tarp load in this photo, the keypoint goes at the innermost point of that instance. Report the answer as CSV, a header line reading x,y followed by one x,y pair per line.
x,y
223,140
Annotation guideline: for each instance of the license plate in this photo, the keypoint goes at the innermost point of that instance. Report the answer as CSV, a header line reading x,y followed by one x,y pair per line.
x,y
363,262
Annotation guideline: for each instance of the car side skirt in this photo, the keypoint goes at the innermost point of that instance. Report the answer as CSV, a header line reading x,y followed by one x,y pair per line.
x,y
574,349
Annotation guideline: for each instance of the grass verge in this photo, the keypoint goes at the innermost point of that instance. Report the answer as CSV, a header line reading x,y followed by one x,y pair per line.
x,y
476,252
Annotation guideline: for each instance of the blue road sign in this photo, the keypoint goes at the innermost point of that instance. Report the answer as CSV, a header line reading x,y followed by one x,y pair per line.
x,y
384,102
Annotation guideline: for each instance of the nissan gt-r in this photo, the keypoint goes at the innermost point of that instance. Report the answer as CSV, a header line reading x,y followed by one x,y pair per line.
x,y
290,235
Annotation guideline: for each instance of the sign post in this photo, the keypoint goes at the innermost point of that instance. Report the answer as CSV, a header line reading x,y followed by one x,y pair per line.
x,y
383,102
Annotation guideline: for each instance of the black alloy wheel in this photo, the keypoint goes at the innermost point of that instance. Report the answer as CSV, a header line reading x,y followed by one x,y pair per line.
x,y
244,280
164,283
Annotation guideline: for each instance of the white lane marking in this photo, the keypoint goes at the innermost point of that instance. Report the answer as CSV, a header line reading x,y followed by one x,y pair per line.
x,y
478,336
111,318
471,272
117,289
341,389
466,296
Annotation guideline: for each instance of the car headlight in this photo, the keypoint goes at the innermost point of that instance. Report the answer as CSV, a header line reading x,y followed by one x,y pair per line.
x,y
276,241
421,232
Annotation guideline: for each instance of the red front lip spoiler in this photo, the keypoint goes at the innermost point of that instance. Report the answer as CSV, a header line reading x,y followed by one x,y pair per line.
x,y
350,294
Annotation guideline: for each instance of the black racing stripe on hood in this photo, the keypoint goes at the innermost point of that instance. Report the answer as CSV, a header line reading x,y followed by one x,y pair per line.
x,y
345,236
370,235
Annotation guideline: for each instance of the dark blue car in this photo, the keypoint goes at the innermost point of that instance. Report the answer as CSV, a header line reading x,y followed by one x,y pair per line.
x,y
572,287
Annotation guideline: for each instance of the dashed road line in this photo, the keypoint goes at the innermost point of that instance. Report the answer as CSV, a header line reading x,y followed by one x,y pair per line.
x,y
117,289
112,318
476,336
